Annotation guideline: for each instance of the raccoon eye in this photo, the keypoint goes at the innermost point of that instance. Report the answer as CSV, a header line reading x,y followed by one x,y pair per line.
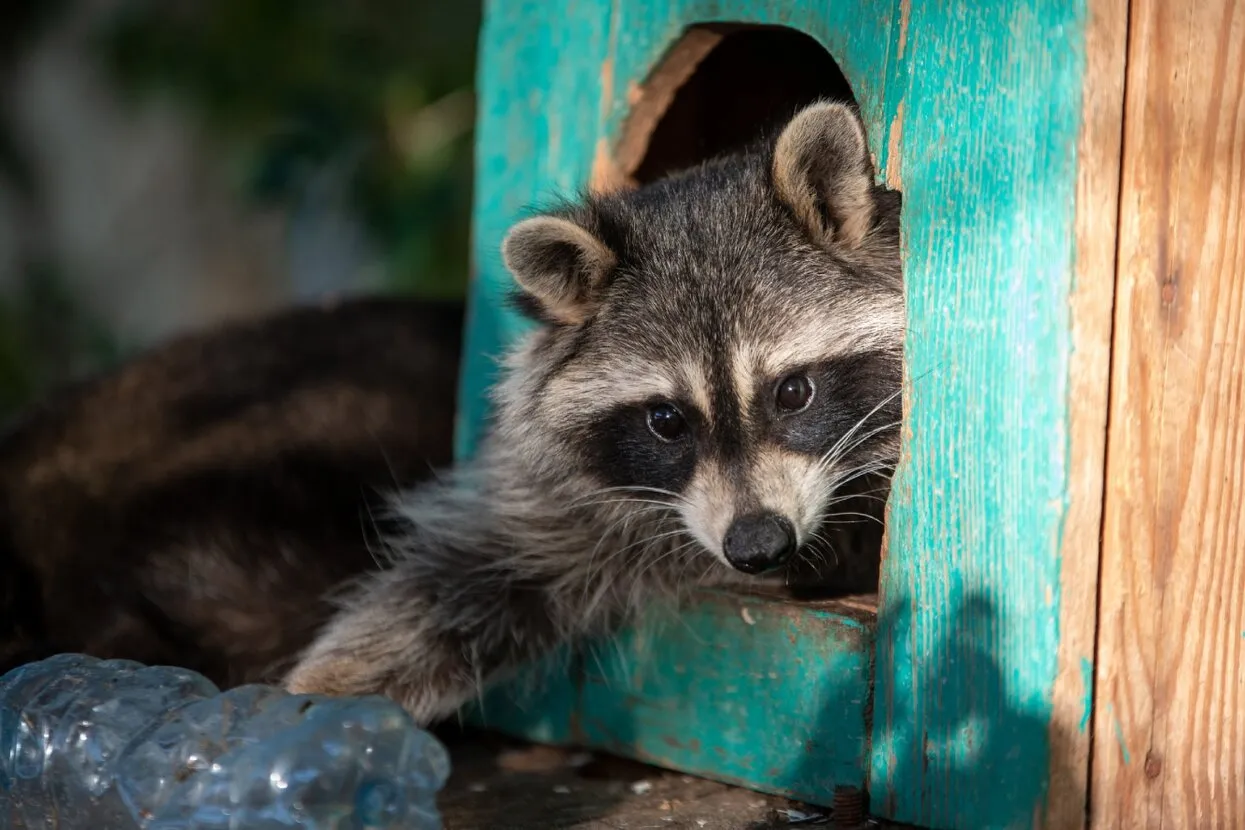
x,y
794,393
666,422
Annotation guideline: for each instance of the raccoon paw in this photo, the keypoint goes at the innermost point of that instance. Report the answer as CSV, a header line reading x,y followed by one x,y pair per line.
x,y
428,690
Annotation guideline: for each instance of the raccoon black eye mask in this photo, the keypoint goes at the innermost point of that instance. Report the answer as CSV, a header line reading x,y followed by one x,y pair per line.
x,y
713,373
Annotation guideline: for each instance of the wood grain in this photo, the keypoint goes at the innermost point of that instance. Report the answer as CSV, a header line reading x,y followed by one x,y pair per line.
x,y
993,525
751,690
1091,303
1169,726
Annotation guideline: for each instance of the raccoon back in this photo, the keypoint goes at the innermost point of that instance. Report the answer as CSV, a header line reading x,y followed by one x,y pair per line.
x,y
198,505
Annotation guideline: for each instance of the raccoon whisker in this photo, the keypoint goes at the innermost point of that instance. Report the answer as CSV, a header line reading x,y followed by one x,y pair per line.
x,y
830,548
653,564
593,570
840,449
851,474
827,467
687,558
592,574
367,543
677,497
604,502
709,569
667,553
607,534
650,539
852,496
608,585
870,469
847,435
833,517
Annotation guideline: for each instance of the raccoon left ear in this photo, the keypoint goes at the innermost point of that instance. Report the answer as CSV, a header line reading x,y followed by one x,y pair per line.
x,y
560,264
823,172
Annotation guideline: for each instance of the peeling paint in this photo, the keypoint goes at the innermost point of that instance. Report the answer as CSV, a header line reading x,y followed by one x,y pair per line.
x,y
894,151
1087,682
905,12
1119,736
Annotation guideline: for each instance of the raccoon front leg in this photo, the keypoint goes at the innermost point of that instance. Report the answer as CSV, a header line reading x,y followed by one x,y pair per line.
x,y
428,642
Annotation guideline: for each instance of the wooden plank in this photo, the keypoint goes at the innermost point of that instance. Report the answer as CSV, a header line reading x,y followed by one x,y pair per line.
x,y
768,694
1169,745
749,690
1091,303
992,532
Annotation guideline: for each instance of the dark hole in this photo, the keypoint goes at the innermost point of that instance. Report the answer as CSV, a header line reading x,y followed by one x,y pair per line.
x,y
747,87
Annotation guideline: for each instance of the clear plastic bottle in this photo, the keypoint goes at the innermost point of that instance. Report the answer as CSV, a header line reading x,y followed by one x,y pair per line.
x,y
89,744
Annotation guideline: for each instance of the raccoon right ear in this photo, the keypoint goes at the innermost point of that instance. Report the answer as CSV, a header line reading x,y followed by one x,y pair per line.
x,y
823,172
558,263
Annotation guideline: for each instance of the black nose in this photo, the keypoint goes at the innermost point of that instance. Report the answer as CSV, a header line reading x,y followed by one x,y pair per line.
x,y
759,542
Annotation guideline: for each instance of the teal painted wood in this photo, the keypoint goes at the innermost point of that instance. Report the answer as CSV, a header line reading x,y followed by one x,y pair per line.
x,y
969,631
539,101
749,690
753,691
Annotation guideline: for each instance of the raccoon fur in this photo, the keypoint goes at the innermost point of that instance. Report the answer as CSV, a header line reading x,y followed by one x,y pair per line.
x,y
713,376
199,505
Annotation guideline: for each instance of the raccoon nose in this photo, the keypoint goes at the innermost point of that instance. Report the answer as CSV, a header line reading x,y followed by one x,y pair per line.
x,y
759,542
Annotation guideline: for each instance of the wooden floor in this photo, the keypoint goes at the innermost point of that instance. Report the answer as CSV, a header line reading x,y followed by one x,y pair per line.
x,y
498,784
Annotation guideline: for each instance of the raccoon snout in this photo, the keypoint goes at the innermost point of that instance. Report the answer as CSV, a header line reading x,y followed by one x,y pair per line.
x,y
759,542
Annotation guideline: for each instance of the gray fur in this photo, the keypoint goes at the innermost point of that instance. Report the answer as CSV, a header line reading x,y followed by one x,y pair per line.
x,y
558,263
703,289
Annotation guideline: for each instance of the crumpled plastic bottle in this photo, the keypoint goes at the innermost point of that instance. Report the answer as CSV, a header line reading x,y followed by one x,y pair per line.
x,y
89,744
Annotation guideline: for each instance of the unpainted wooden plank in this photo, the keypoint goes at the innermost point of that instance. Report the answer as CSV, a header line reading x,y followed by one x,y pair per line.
x,y
971,705
1169,742
1091,303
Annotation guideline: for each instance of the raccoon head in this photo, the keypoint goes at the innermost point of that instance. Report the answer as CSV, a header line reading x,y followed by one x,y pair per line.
x,y
727,341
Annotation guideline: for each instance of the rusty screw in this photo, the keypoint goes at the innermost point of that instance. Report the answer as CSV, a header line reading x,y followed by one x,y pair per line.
x,y
849,808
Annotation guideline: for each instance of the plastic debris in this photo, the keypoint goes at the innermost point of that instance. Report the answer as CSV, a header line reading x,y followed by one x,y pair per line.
x,y
88,744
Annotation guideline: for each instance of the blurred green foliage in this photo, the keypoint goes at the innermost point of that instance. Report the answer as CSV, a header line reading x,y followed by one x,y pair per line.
x,y
377,91
46,339
382,87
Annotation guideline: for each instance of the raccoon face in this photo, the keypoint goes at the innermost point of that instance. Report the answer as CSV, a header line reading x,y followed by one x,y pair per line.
x,y
726,342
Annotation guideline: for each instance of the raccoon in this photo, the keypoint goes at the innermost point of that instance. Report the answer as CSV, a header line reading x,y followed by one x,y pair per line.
x,y
713,374
197,505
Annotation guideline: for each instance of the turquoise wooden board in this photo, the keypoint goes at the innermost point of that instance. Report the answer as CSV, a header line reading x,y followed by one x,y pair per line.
x,y
758,692
969,633
744,689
